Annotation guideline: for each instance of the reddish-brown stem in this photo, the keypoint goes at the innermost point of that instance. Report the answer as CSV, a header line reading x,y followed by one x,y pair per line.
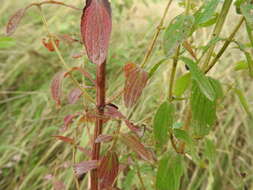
x,y
100,101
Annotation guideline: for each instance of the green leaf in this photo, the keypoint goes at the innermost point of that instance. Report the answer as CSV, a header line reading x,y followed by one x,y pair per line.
x,y
178,125
201,80
250,63
206,11
203,112
155,67
162,122
169,173
210,151
7,42
179,30
249,32
247,11
242,47
211,21
241,65
211,43
243,101
183,136
217,88
128,181
181,84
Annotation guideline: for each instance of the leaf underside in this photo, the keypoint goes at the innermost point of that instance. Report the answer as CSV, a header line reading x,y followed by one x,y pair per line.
x,y
96,25
136,80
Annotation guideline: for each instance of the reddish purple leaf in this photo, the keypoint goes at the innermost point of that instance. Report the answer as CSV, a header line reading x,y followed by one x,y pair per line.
x,y
108,170
92,116
58,185
74,95
65,139
48,177
134,128
103,138
113,112
14,21
133,143
85,167
56,86
67,38
136,80
86,151
85,73
68,120
96,25
77,55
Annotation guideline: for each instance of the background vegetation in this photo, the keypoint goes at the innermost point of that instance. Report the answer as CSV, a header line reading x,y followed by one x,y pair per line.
x,y
29,118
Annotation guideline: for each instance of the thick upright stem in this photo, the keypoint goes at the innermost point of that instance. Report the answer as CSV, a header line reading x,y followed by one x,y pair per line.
x,y
100,101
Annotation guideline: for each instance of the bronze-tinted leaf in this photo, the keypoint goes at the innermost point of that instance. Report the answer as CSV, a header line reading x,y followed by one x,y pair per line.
x,y
136,80
96,27
14,21
74,95
48,43
65,139
108,170
103,138
85,167
134,143
56,87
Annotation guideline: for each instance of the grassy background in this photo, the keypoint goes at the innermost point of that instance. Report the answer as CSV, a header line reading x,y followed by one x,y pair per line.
x,y
28,116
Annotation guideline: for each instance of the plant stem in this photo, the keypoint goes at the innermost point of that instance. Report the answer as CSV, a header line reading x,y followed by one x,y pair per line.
x,y
170,95
140,177
159,28
225,46
188,6
218,28
100,101
53,2
173,74
186,126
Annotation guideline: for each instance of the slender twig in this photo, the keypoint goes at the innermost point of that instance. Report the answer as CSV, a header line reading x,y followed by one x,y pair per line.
x,y
100,99
74,162
188,6
52,2
159,28
173,74
186,126
225,46
140,177
217,30
171,84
